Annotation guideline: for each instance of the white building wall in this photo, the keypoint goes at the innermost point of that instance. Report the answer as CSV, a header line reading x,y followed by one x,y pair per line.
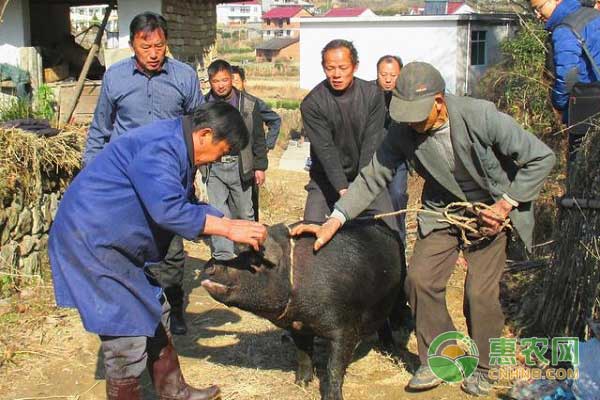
x,y
227,13
429,39
495,34
15,30
128,9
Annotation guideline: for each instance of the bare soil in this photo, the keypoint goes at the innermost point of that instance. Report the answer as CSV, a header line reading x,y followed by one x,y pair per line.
x,y
45,352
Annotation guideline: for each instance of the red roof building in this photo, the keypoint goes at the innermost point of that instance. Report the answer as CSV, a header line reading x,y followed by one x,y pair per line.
x,y
453,6
277,22
347,12
282,12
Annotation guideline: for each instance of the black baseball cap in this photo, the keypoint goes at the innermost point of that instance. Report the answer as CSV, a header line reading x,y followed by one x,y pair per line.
x,y
416,87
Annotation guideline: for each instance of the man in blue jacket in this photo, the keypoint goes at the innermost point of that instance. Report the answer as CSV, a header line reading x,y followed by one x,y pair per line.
x,y
571,65
137,91
117,218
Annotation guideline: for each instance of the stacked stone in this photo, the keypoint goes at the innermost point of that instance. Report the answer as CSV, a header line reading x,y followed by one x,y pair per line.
x,y
192,28
24,233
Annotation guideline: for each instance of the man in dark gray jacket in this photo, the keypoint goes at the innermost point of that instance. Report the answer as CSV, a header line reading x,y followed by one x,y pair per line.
x,y
229,180
466,151
343,117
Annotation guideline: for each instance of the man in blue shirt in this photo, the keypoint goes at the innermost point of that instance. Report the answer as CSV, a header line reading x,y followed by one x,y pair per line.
x,y
137,91
117,217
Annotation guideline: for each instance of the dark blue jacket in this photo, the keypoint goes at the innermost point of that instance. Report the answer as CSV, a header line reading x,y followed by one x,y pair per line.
x,y
571,64
119,215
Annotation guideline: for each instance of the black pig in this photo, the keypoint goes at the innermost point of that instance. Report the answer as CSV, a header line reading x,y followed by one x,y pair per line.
x,y
341,293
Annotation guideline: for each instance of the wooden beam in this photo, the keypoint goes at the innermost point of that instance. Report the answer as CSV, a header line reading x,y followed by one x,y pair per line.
x,y
3,5
571,202
86,67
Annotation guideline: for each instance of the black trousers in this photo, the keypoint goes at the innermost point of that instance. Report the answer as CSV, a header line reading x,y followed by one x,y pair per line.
x,y
169,272
322,197
429,270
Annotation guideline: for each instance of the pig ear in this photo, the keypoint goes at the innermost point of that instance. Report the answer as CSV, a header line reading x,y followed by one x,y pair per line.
x,y
272,252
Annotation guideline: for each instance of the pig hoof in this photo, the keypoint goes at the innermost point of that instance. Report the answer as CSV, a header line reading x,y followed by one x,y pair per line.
x,y
303,382
303,378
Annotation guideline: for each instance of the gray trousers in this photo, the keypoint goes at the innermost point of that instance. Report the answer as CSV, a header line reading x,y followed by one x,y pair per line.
x,y
127,356
429,270
228,194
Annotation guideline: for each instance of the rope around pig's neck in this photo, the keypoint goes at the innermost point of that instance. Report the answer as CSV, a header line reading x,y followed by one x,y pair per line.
x,y
463,224
291,276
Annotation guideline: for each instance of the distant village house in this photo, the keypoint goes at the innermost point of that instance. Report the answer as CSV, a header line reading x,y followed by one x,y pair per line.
x,y
278,23
276,49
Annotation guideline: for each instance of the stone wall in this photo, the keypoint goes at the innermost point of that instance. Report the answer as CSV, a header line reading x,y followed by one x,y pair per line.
x,y
24,234
192,29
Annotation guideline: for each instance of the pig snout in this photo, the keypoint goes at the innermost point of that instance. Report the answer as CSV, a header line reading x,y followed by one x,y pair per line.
x,y
215,288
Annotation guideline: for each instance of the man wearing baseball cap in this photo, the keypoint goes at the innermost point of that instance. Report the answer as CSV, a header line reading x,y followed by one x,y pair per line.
x,y
466,151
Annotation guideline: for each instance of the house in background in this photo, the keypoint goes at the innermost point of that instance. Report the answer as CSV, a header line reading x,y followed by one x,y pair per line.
x,y
287,49
267,5
443,7
83,17
340,12
239,12
31,25
461,46
277,23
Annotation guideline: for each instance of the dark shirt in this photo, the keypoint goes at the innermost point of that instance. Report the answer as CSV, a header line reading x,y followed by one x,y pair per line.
x,y
232,99
130,99
344,130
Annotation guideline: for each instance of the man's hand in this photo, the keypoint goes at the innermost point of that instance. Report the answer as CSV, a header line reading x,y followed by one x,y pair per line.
x,y
324,232
259,177
240,231
343,192
493,218
247,232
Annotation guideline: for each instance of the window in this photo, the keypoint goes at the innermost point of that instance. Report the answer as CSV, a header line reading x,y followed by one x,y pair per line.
x,y
288,32
478,47
245,10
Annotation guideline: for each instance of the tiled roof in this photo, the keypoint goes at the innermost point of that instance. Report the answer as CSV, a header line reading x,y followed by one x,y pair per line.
x,y
345,12
277,43
454,5
282,12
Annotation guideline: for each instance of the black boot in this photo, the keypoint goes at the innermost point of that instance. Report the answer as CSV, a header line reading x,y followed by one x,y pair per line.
x,y
168,379
123,389
177,322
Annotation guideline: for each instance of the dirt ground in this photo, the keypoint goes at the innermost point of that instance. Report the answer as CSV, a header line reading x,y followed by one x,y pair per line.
x,y
46,354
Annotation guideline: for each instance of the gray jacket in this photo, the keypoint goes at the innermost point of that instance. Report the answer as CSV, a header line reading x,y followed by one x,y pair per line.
x,y
501,157
253,157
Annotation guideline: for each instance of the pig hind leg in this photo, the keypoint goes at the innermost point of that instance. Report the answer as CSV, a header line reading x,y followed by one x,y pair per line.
x,y
304,345
340,356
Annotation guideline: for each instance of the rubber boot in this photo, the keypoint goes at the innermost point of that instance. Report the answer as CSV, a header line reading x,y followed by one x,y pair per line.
x,y
177,322
168,379
123,389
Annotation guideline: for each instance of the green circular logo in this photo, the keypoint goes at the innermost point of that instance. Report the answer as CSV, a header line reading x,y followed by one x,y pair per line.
x,y
453,356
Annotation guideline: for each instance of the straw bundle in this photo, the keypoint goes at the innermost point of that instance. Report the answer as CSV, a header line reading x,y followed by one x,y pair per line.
x,y
30,163
570,289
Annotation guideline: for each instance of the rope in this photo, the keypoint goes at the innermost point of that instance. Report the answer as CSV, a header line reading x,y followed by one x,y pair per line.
x,y
462,223
291,276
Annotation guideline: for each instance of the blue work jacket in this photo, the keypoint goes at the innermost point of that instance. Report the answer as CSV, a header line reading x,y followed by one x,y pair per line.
x,y
117,217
